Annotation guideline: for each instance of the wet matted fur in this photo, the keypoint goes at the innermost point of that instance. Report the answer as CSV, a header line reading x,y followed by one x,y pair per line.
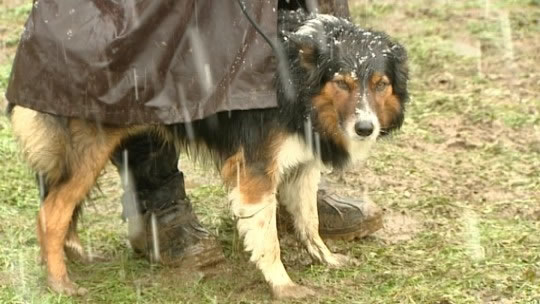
x,y
344,87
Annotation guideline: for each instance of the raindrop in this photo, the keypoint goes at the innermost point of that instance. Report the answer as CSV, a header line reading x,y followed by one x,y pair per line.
x,y
472,236
507,36
486,8
190,133
284,72
135,81
312,6
317,143
238,175
155,237
125,164
22,272
479,58
308,132
42,189
89,249
200,60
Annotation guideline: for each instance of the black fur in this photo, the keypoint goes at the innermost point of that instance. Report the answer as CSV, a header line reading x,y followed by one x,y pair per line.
x,y
341,47
9,109
344,47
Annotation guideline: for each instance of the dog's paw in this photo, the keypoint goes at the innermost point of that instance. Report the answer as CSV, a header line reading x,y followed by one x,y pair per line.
x,y
291,291
66,286
337,260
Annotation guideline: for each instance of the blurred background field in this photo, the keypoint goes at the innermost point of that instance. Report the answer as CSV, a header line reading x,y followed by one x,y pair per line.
x,y
460,184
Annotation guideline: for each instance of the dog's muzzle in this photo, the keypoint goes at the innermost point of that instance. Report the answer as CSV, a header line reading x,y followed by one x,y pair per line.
x,y
364,128
366,125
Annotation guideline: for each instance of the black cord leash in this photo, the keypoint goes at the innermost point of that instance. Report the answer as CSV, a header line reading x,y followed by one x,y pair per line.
x,y
256,26
283,69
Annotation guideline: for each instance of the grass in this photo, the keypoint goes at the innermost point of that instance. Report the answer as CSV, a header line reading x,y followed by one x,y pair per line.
x,y
461,183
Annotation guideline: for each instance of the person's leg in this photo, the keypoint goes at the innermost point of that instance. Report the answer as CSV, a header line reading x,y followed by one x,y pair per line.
x,y
161,222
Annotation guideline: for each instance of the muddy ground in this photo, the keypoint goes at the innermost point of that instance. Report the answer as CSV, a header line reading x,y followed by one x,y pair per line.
x,y
460,183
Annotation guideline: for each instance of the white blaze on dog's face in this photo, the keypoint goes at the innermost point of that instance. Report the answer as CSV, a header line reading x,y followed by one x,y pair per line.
x,y
361,77
362,126
348,110
358,107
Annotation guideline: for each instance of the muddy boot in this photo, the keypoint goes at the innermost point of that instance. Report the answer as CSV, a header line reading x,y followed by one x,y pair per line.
x,y
346,218
161,223
169,232
339,217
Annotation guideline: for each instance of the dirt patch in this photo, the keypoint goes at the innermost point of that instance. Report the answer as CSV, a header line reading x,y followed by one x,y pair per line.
x,y
518,211
398,227
5,279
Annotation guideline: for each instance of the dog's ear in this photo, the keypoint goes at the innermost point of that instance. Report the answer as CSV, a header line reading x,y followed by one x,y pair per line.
x,y
306,47
401,70
398,52
400,74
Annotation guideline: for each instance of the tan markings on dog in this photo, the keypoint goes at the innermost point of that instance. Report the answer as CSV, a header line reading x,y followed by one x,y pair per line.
x,y
252,183
43,142
253,202
71,154
91,148
335,103
344,86
387,104
72,245
233,167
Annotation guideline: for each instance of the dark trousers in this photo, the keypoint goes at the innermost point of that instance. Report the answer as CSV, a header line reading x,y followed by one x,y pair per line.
x,y
148,166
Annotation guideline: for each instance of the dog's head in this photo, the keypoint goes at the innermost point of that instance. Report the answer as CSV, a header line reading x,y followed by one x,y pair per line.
x,y
356,80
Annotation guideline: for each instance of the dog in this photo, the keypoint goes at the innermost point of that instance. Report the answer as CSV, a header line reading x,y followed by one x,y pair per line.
x,y
344,87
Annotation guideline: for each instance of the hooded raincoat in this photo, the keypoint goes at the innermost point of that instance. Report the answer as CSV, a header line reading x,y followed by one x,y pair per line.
x,y
128,62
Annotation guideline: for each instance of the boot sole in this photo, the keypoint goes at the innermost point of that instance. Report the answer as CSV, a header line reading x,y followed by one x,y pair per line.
x,y
359,231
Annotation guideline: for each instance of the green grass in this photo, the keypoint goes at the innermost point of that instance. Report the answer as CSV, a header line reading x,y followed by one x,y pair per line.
x,y
464,168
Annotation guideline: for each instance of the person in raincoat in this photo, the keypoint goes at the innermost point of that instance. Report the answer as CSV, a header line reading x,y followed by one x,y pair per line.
x,y
163,62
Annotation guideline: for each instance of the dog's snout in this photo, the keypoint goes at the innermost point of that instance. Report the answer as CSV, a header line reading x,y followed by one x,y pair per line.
x,y
363,128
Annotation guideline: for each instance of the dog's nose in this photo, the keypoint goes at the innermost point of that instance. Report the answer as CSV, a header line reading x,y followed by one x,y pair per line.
x,y
363,127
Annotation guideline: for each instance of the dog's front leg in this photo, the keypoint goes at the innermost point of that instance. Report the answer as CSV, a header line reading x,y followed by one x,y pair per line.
x,y
298,193
255,210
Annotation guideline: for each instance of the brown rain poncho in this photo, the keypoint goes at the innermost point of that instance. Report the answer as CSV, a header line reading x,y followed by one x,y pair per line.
x,y
146,61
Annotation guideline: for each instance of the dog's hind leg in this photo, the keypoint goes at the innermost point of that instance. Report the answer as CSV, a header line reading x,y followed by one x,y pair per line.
x,y
89,151
298,193
253,203
72,245
70,154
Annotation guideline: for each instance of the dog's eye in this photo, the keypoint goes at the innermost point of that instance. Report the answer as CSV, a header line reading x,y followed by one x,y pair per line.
x,y
342,84
381,86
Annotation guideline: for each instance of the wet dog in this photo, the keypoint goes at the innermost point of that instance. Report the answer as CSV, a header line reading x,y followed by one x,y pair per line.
x,y
344,86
